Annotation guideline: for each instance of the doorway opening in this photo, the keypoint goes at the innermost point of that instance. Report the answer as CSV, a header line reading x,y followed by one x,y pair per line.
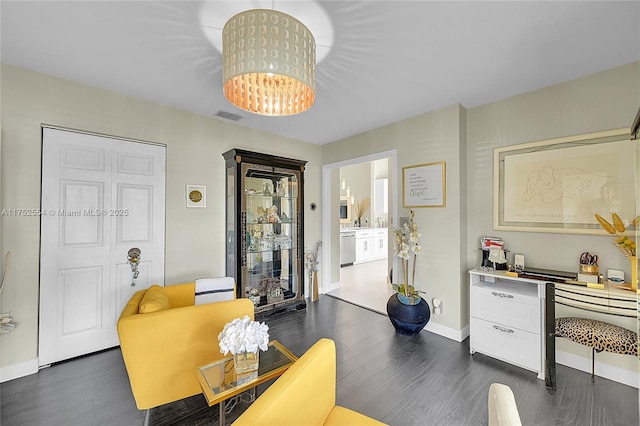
x,y
357,230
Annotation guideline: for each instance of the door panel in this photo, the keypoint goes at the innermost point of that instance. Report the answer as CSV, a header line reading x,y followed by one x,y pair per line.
x,y
135,163
137,224
78,219
81,300
101,196
75,157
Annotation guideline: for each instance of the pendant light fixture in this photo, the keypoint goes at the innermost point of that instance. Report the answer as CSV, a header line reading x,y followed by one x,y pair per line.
x,y
269,63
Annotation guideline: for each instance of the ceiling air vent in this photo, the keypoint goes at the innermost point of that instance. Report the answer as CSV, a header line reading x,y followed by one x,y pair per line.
x,y
228,115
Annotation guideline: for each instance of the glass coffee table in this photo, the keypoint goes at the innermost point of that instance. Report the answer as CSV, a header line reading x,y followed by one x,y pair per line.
x,y
219,380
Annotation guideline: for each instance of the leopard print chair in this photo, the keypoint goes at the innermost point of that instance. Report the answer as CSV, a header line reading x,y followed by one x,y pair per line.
x,y
598,335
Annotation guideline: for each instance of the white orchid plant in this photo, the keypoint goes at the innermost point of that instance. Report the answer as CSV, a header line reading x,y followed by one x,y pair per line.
x,y
406,247
243,335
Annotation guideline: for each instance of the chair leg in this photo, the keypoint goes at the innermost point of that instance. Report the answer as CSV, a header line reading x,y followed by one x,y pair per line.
x,y
147,416
593,364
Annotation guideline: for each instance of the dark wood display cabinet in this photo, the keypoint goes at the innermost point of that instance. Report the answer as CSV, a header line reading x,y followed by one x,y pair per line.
x,y
265,229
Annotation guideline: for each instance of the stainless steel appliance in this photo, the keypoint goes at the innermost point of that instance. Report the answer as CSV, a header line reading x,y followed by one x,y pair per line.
x,y
347,248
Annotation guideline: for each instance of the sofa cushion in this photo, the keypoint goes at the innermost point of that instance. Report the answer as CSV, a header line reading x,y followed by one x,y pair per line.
x,y
155,299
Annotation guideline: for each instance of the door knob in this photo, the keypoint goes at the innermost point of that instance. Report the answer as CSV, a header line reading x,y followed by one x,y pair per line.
x,y
133,257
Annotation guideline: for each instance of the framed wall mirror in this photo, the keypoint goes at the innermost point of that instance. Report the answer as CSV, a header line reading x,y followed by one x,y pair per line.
x,y
345,209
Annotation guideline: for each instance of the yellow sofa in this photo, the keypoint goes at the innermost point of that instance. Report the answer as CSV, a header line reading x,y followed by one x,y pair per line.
x,y
304,395
162,347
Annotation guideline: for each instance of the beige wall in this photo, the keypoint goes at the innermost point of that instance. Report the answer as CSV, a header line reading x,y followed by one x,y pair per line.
x,y
603,101
194,237
465,140
430,137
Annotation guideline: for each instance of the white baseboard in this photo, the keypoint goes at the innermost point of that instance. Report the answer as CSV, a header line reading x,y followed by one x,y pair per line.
x,y
448,332
607,371
18,370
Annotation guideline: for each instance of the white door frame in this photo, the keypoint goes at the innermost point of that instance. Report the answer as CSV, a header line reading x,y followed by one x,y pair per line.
x,y
327,213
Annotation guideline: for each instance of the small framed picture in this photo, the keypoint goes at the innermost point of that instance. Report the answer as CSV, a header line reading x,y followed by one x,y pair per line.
x,y
196,196
424,185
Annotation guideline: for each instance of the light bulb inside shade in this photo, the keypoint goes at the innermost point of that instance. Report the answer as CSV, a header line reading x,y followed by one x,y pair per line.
x,y
288,48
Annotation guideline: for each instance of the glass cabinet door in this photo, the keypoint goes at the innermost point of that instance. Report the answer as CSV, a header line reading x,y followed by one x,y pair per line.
x,y
270,233
230,218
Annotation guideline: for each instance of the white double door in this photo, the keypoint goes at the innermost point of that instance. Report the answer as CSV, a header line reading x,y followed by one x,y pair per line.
x,y
101,197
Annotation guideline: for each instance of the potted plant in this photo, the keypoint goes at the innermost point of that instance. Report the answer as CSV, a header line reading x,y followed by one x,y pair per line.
x,y
408,312
361,208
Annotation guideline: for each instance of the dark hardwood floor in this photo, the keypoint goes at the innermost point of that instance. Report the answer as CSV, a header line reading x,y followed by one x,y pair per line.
x,y
421,380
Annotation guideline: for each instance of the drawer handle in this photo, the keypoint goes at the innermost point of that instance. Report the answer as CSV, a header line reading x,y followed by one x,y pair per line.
x,y
508,296
504,330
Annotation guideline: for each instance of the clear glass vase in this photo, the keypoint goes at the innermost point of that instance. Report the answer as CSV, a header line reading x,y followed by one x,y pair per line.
x,y
246,361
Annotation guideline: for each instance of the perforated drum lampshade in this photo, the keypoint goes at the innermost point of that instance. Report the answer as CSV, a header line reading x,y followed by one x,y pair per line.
x,y
269,63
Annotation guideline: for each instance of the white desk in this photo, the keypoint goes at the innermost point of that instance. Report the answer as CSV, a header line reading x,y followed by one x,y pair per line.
x,y
513,318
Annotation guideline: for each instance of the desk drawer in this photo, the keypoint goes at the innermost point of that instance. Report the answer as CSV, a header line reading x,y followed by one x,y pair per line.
x,y
512,309
505,343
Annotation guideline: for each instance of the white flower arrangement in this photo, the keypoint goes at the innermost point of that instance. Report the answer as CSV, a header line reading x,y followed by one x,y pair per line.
x,y
406,246
311,257
243,335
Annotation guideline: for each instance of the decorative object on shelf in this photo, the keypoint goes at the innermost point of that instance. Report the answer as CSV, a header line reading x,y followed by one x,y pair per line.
x,y
271,287
196,196
311,262
360,208
271,71
244,338
273,217
626,245
254,296
266,188
407,311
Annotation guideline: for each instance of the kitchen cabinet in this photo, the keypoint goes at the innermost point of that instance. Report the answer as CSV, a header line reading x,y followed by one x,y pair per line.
x,y
265,229
364,246
380,243
371,244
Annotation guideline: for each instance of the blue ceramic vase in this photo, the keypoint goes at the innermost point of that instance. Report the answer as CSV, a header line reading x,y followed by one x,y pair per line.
x,y
408,319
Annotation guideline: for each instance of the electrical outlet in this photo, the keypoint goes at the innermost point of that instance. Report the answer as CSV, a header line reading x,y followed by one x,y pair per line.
x,y
437,306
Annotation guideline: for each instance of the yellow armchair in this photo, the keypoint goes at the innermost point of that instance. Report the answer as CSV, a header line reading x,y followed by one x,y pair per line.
x,y
162,348
304,395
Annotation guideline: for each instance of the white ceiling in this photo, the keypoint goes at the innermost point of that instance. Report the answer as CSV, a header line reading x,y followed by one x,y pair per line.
x,y
385,60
